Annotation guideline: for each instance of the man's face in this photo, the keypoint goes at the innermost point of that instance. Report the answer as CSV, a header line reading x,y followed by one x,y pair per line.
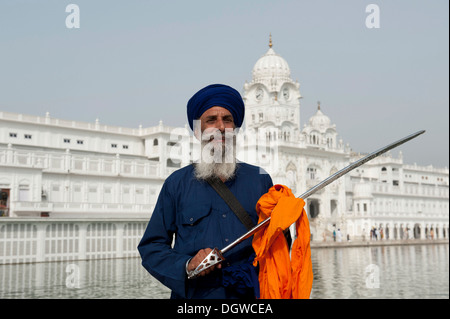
x,y
217,117
214,120
218,142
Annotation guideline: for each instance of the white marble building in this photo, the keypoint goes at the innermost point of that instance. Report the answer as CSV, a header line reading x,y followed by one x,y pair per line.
x,y
68,169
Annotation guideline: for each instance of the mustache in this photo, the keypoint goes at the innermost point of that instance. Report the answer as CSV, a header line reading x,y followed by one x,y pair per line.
x,y
219,148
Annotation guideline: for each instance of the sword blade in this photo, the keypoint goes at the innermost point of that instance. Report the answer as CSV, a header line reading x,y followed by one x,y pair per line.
x,y
328,181
216,256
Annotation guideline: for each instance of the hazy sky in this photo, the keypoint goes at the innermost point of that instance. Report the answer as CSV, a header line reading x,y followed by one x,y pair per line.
x,y
138,62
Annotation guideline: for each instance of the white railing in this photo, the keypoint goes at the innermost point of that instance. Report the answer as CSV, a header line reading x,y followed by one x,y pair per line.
x,y
44,240
82,164
93,126
379,188
23,208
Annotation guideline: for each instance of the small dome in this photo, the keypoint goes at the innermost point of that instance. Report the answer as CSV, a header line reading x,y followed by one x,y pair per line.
x,y
319,120
271,65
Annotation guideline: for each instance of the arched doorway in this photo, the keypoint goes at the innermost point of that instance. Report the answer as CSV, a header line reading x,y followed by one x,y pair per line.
x,y
416,231
4,202
313,208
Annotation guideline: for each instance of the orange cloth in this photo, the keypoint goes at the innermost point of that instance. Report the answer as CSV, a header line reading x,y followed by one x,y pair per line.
x,y
279,276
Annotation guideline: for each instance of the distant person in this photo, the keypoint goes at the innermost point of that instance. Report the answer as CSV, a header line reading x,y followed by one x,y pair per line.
x,y
339,235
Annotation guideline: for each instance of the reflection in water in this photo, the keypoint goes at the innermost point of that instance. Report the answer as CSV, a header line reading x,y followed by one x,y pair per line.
x,y
109,278
416,271
413,271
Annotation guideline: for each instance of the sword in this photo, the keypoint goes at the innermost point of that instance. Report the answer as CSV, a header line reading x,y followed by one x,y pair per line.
x,y
216,255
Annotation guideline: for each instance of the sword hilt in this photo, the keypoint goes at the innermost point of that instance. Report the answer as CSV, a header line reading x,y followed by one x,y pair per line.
x,y
213,258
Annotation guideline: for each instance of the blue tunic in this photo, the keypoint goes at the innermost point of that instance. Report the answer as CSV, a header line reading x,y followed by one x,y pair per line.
x,y
196,217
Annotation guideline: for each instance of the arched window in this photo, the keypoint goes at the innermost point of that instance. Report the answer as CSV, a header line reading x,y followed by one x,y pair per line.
x,y
311,172
155,142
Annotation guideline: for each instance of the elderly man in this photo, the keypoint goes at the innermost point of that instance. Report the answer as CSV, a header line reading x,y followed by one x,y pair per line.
x,y
191,212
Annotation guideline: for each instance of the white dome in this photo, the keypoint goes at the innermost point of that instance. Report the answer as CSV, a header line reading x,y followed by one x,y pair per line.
x,y
319,120
271,65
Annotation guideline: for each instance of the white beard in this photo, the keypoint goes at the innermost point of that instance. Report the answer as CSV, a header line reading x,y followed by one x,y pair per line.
x,y
217,161
205,171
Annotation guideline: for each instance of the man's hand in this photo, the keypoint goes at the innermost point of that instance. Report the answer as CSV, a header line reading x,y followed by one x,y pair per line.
x,y
198,258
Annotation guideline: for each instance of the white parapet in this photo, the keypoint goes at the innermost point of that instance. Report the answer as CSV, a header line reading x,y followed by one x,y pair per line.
x,y
56,239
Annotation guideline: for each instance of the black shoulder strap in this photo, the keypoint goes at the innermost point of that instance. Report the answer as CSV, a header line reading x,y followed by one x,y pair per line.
x,y
232,201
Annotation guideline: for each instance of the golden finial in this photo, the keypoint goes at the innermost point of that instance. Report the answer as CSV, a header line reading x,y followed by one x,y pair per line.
x,y
270,40
318,105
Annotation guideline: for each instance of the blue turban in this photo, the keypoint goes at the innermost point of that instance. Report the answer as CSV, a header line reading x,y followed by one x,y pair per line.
x,y
216,95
